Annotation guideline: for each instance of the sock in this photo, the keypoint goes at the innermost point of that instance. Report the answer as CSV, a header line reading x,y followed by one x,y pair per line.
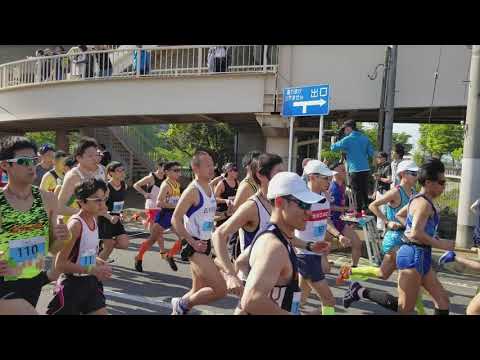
x,y
328,310
441,312
364,272
143,249
175,248
419,304
381,298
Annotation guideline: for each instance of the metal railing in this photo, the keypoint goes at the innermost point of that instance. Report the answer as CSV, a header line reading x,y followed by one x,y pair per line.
x,y
139,62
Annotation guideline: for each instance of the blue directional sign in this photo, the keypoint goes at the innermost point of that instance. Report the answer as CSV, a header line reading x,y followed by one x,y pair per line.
x,y
310,100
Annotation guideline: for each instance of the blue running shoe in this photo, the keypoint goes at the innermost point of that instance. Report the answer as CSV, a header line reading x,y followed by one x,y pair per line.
x,y
448,257
351,294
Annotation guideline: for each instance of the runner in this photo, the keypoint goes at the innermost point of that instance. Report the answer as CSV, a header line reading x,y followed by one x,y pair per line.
x,y
251,218
152,181
86,156
68,165
79,289
338,208
272,283
394,200
225,192
312,266
196,208
247,187
46,153
54,177
28,229
110,227
167,200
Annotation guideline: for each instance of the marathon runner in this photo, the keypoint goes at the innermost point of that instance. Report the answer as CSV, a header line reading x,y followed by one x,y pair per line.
x,y
272,283
68,165
54,177
225,192
167,200
28,229
110,227
193,222
46,154
79,289
247,187
152,181
86,156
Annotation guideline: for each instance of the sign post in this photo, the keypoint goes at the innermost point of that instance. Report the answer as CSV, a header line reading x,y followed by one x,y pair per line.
x,y
313,100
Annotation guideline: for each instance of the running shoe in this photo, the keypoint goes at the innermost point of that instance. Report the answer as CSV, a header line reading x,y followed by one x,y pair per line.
x,y
343,274
171,262
138,265
447,257
176,307
351,295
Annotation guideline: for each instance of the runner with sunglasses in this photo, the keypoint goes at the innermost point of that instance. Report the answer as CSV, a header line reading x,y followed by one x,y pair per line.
x,y
272,283
79,289
110,227
167,200
28,229
54,177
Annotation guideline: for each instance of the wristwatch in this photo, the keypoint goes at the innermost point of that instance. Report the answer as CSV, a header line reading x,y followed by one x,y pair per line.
x,y
309,245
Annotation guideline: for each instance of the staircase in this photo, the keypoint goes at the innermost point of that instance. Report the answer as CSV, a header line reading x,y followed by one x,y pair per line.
x,y
134,146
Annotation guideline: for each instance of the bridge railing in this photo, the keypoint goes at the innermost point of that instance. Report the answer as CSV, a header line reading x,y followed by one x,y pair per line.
x,y
165,61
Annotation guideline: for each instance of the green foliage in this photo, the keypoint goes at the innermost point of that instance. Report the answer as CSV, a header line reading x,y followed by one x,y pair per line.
x,y
42,137
457,154
330,157
438,140
181,141
397,138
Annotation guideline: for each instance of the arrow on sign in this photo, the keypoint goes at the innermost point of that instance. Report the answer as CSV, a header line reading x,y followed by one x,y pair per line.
x,y
304,104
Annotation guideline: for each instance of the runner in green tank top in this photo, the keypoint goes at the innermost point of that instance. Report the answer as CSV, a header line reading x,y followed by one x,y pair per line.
x,y
28,229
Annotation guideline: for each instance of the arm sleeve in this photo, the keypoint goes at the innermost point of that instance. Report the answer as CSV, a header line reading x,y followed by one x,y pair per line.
x,y
340,145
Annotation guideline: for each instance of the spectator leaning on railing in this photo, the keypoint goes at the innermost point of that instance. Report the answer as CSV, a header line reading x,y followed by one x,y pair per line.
x,y
358,149
144,60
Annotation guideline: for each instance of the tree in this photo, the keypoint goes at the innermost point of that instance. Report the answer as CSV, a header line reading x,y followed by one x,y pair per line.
x,y
397,138
181,141
42,137
439,140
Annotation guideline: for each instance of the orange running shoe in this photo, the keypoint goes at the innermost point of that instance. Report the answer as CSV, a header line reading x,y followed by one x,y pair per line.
x,y
343,274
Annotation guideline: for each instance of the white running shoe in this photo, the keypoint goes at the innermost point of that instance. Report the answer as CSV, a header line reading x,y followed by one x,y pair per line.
x,y
176,308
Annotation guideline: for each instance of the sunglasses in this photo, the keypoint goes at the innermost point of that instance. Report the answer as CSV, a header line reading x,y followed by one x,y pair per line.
x,y
24,161
441,182
412,173
302,205
176,170
97,200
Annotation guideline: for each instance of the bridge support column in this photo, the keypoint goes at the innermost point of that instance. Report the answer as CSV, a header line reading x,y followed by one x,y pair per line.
x,y
61,140
275,131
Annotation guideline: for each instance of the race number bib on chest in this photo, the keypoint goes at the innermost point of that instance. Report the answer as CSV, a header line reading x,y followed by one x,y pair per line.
x,y
319,230
118,207
25,250
88,258
207,226
296,303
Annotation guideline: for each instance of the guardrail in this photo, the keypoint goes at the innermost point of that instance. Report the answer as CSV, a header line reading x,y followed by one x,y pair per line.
x,y
139,62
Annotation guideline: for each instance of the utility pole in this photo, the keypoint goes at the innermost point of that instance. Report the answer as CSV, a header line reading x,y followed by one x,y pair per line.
x,y
381,113
469,184
390,99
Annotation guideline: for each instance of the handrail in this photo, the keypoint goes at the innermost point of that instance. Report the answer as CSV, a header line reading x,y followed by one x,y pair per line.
x,y
159,61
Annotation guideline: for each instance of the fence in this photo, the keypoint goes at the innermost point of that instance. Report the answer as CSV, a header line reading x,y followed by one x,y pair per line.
x,y
138,62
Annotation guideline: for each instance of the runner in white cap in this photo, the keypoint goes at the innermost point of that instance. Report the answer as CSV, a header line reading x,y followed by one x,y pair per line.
x,y
272,283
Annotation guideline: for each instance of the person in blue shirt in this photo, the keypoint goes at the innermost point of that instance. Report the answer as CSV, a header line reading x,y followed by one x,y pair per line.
x,y
144,60
358,149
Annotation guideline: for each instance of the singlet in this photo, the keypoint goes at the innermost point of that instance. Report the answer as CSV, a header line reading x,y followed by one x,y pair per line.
x,y
337,193
116,198
390,213
84,252
252,183
176,192
286,296
432,223
199,219
229,193
246,237
24,237
153,190
51,184
316,225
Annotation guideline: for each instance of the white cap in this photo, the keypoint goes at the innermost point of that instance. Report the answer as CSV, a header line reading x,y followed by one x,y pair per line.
x,y
317,167
406,165
287,183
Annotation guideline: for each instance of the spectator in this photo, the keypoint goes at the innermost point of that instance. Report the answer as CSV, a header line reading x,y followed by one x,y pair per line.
x,y
397,156
104,64
46,65
58,63
90,65
79,62
358,149
39,65
46,154
106,156
217,59
383,180
144,60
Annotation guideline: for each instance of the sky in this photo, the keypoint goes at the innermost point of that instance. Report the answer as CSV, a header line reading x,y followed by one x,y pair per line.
x,y
410,129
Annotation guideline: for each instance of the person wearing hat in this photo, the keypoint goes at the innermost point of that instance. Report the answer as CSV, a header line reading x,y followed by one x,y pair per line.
x,y
46,153
318,224
272,283
225,191
358,149
382,181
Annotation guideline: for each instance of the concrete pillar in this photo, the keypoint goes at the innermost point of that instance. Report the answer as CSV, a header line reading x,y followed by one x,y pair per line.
x,y
275,130
279,146
61,140
248,141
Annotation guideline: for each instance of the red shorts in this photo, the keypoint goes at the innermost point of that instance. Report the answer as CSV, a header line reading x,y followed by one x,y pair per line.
x,y
151,214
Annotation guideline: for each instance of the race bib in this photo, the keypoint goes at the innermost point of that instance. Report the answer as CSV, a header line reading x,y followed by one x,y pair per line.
x,y
295,309
26,250
118,207
173,201
88,258
319,230
207,226
4,177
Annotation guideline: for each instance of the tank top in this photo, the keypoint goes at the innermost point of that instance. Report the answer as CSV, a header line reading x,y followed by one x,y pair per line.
x,y
316,225
85,250
24,237
286,296
199,219
246,237
175,194
229,193
252,183
390,212
153,190
116,199
432,223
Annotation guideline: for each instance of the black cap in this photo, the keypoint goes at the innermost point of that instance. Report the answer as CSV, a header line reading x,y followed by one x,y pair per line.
x,y
349,123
